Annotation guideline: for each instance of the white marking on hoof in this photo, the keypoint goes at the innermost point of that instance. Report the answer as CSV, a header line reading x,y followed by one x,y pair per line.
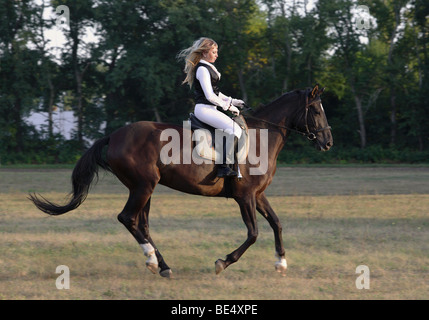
x,y
152,267
281,265
152,261
220,266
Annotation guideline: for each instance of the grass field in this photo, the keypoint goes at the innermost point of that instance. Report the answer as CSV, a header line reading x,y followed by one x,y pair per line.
x,y
334,219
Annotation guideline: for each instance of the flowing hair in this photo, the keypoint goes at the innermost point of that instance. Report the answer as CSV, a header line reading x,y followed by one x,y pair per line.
x,y
193,55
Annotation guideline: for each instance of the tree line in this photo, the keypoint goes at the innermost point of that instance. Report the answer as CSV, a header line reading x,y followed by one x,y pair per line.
x,y
371,56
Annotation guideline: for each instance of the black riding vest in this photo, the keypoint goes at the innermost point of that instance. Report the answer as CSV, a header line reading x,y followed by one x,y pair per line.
x,y
198,91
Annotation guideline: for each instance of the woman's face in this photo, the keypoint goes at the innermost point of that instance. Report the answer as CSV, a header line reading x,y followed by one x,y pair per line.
x,y
211,55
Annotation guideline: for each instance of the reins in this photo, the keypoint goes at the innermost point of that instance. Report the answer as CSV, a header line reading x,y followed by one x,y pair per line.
x,y
310,135
278,125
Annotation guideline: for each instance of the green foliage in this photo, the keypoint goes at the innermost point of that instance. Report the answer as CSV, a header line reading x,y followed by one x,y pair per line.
x,y
41,151
375,78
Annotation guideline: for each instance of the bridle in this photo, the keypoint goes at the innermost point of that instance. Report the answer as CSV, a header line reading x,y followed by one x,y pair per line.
x,y
311,135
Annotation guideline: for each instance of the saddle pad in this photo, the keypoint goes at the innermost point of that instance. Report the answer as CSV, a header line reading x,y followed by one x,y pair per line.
x,y
205,141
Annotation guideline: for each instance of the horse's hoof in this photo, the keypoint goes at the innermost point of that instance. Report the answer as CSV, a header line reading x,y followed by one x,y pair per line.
x,y
166,273
281,266
220,266
152,262
152,267
281,269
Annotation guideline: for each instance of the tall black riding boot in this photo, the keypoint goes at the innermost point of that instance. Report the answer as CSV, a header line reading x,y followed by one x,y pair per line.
x,y
224,170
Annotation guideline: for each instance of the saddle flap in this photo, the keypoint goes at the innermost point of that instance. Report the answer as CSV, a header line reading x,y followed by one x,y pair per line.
x,y
207,149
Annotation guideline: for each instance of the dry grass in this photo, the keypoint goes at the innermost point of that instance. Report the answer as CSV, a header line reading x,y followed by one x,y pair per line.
x,y
326,238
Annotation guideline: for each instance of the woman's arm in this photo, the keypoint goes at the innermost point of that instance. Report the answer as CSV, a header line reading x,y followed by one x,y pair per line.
x,y
203,75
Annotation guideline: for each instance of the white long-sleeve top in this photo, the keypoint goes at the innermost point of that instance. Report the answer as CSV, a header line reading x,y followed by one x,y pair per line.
x,y
203,76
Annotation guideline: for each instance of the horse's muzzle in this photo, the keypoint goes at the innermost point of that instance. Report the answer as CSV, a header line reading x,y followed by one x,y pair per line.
x,y
326,146
325,142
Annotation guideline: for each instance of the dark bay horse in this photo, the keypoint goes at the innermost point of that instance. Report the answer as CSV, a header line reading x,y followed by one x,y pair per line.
x,y
133,156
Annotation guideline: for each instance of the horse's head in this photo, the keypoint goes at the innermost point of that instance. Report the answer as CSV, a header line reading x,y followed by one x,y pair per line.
x,y
313,121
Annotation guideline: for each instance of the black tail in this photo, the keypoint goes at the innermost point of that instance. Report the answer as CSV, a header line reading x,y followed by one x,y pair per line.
x,y
82,177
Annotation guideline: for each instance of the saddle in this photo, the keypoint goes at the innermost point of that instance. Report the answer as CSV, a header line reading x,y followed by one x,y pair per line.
x,y
205,141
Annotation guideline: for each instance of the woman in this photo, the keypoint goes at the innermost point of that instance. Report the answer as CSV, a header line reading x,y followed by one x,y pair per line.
x,y
201,72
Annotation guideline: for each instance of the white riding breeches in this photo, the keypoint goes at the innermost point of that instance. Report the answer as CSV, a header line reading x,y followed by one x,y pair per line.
x,y
213,117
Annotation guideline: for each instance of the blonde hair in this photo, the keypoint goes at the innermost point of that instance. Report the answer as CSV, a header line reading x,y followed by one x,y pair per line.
x,y
193,55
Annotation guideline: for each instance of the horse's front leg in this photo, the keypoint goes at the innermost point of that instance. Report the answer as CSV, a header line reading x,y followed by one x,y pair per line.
x,y
264,208
247,208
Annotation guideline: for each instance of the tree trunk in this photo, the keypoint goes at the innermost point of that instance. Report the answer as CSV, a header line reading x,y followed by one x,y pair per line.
x,y
157,115
393,124
362,130
50,107
242,85
17,119
309,75
79,110
78,74
288,63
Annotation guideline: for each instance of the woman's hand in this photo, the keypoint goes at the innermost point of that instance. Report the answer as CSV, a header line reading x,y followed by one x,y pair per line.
x,y
238,103
234,110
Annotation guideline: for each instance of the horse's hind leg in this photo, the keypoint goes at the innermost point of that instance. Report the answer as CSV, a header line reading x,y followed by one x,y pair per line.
x,y
165,270
131,216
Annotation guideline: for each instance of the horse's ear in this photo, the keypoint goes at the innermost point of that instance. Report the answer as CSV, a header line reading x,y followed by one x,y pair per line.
x,y
314,91
321,91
